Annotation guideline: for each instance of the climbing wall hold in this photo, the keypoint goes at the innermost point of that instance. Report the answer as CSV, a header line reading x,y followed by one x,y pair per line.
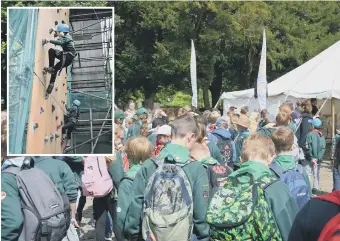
x,y
46,139
41,110
58,127
61,123
55,23
56,88
56,134
63,102
63,84
51,137
53,108
51,30
35,125
44,41
56,118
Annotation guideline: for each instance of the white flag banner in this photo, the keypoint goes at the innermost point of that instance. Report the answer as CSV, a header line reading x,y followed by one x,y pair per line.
x,y
193,75
262,76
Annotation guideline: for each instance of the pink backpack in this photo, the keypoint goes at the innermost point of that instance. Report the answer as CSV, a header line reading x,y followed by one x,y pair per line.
x,y
96,180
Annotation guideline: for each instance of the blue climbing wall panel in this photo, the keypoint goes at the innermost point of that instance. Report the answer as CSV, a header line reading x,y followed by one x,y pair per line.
x,y
21,52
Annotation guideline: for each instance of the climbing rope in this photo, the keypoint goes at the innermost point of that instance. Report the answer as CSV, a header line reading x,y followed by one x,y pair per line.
x,y
50,94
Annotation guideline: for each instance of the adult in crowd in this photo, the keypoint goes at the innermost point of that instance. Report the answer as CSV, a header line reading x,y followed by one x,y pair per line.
x,y
315,109
304,127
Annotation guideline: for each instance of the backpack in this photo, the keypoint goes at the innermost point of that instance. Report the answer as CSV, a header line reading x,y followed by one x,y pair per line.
x,y
168,203
239,211
46,212
96,181
226,148
217,174
295,181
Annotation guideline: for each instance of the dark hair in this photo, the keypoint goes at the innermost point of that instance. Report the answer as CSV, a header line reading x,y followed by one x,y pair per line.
x,y
158,122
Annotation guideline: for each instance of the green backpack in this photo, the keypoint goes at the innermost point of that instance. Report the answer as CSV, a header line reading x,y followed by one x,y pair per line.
x,y
239,211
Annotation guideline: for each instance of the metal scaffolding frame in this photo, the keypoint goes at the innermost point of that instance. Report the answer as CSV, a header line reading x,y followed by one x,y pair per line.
x,y
92,125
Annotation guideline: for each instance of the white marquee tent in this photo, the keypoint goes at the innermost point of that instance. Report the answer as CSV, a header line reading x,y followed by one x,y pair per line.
x,y
318,78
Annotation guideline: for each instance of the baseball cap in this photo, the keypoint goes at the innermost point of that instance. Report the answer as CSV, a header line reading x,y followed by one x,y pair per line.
x,y
142,111
317,123
221,121
119,114
232,108
164,130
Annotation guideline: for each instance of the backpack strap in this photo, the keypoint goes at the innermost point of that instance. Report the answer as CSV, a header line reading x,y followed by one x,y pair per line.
x,y
330,229
12,169
128,178
276,169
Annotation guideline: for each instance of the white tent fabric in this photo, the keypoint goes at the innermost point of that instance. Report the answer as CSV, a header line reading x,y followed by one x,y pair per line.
x,y
317,78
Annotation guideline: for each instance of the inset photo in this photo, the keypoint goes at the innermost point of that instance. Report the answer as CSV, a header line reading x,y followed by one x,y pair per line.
x,y
60,64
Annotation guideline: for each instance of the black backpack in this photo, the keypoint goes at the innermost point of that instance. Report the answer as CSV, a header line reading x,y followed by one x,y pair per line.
x,y
226,148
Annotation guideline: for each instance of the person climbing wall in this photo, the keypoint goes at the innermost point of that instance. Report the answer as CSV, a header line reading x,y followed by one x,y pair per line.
x,y
73,116
66,56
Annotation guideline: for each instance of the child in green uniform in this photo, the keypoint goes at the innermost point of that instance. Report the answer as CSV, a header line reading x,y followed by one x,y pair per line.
x,y
243,125
138,149
142,116
283,139
314,149
335,157
184,135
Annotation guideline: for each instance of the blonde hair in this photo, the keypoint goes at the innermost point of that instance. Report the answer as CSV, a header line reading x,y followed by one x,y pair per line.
x,y
257,147
109,160
283,139
286,108
128,121
283,119
202,132
214,116
144,130
138,149
254,122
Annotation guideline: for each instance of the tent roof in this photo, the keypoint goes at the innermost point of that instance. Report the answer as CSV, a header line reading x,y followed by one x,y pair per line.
x,y
317,78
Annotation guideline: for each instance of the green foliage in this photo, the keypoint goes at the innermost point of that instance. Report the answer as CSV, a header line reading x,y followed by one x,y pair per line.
x,y
153,43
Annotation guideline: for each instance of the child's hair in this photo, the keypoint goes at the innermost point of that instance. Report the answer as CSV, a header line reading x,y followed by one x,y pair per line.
x,y
283,139
214,116
183,125
118,129
109,160
3,134
282,119
202,132
244,110
128,121
264,113
257,147
254,122
138,149
202,120
158,122
286,108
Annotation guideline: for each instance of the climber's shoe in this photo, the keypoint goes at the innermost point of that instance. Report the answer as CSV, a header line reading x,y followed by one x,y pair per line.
x,y
49,88
49,70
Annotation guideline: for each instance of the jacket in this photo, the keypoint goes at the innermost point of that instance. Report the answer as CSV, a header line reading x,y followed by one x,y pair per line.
x,y
215,152
134,130
313,217
66,43
226,135
335,151
73,113
277,195
77,167
198,179
315,146
303,129
239,139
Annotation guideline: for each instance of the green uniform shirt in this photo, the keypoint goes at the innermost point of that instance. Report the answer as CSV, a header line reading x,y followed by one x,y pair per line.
x,y
124,195
134,130
215,152
77,167
116,170
315,146
65,42
11,214
153,138
240,138
292,127
61,174
198,179
335,141
286,162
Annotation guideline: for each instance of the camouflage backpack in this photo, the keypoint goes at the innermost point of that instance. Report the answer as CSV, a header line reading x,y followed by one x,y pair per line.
x,y
168,202
239,211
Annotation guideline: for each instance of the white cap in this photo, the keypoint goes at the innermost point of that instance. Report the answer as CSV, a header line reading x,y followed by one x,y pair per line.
x,y
164,130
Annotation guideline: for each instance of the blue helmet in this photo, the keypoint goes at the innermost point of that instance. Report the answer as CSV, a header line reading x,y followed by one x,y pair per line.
x,y
63,28
76,102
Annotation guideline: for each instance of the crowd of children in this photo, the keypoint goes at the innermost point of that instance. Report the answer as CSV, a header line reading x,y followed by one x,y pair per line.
x,y
199,177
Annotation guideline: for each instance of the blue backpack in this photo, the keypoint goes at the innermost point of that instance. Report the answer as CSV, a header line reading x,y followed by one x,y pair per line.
x,y
296,182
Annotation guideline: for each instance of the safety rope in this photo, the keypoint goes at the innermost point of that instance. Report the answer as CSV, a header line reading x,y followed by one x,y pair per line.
x,y
50,94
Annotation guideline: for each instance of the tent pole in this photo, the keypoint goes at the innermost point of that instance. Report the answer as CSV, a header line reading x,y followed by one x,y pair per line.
x,y
217,103
333,118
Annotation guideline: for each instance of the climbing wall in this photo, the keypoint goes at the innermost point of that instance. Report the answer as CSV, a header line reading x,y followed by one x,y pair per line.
x,y
46,115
